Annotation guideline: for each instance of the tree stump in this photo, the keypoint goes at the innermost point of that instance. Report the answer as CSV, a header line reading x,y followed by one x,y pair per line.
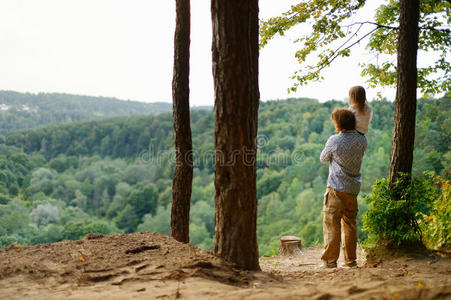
x,y
290,245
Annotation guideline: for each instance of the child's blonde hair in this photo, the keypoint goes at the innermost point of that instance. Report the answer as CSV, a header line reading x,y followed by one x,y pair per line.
x,y
357,96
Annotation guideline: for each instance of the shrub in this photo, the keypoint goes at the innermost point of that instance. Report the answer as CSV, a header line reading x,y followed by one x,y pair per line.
x,y
395,213
5,241
77,230
436,226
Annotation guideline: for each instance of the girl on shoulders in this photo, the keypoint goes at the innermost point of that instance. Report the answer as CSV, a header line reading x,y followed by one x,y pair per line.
x,y
359,106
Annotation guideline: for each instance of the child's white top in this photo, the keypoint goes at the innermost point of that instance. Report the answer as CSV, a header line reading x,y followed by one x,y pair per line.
x,y
362,119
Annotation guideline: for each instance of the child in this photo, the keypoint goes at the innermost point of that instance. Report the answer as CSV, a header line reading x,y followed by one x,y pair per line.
x,y
360,108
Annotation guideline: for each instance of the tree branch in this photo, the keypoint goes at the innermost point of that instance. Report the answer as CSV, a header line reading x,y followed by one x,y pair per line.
x,y
435,29
371,23
331,58
446,30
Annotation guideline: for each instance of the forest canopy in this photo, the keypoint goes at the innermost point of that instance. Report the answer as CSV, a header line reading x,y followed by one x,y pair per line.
x,y
28,111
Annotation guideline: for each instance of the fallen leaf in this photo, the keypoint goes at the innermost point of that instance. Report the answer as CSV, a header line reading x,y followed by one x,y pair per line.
x,y
396,295
17,246
420,285
82,259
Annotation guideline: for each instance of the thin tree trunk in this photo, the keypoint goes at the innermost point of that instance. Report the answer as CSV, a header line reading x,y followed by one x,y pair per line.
x,y
183,174
406,99
235,70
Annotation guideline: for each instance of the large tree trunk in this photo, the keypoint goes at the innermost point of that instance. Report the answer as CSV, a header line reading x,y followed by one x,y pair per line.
x,y
406,99
235,70
183,174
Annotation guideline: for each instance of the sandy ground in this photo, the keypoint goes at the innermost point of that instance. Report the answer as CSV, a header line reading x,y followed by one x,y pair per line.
x,y
154,266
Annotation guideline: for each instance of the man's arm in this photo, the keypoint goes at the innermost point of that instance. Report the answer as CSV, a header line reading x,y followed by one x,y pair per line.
x,y
326,154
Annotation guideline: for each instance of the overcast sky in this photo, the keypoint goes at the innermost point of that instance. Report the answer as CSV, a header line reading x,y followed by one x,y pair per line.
x,y
124,49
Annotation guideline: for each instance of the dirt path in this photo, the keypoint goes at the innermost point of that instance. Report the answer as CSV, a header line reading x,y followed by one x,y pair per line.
x,y
153,266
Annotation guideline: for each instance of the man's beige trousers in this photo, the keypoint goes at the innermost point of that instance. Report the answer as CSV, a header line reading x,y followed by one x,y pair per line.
x,y
340,212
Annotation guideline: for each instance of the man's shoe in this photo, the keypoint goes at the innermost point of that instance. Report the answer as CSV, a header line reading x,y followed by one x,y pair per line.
x,y
324,267
345,266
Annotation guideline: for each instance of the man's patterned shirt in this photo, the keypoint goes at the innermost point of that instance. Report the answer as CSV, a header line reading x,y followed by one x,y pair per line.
x,y
344,152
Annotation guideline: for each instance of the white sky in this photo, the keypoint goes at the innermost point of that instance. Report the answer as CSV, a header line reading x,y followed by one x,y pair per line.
x,y
124,49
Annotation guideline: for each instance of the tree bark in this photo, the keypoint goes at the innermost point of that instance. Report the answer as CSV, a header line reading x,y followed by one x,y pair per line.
x,y
406,100
235,71
183,174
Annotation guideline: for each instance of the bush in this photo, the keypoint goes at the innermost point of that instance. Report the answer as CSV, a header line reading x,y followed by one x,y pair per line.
x,y
48,234
5,241
395,213
77,230
436,226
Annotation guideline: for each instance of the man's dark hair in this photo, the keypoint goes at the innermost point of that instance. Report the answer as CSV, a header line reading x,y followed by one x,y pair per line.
x,y
344,119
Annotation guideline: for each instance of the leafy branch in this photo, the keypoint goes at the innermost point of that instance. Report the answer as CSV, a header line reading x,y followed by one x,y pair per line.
x,y
445,30
327,20
337,51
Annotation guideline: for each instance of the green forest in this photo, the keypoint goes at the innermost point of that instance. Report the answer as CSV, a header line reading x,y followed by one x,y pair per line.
x,y
28,111
114,174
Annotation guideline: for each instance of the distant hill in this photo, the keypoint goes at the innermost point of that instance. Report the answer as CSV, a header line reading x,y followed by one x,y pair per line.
x,y
28,111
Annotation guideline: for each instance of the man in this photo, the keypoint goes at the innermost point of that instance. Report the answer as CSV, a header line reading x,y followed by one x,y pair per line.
x,y
344,152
